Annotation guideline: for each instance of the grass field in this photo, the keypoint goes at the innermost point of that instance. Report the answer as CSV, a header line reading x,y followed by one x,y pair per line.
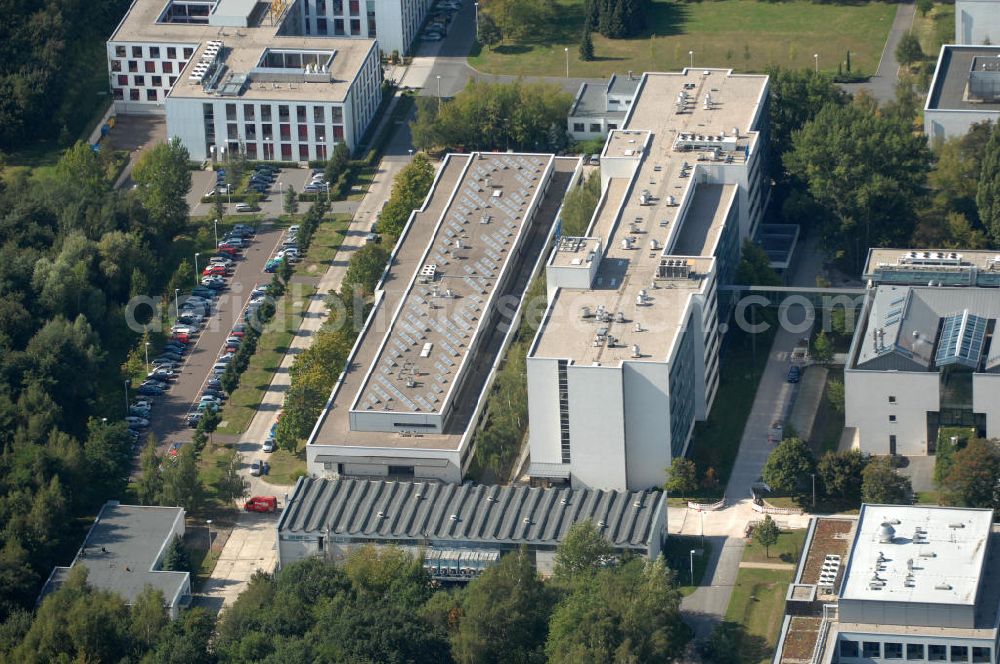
x,y
935,29
786,550
677,552
746,35
286,467
757,604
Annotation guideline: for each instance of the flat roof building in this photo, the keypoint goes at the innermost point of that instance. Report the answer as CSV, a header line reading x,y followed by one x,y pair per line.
x,y
923,356
977,22
230,77
415,383
599,108
124,550
461,529
626,358
965,89
914,585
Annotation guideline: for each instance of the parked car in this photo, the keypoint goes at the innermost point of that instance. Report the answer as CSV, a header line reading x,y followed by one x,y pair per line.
x,y
173,357
142,403
215,393
152,382
239,329
426,36
218,368
245,207
794,374
149,391
255,468
207,405
224,261
261,504
229,251
193,419
161,373
140,412
213,384
164,362
272,266
174,449
265,468
216,269
294,228
269,445
205,293
139,422
180,328
217,285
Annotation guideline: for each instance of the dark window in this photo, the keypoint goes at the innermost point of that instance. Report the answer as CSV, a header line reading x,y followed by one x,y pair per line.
x,y
892,418
892,399
303,152
937,653
303,132
231,112
300,113
338,6
405,471
892,444
914,651
251,150
150,94
120,51
355,26
871,649
317,114
188,52
355,7
337,115
232,131
140,80
338,26
980,654
286,151
578,126
156,81
123,80
154,52
893,651
320,6
167,67
119,93
133,66
338,133
265,113
133,94
248,112
612,126
171,53
116,65
594,126
173,79
959,653
848,648
250,131
283,113
137,51
321,26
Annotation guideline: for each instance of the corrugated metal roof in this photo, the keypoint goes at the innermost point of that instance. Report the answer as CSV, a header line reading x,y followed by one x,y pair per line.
x,y
393,510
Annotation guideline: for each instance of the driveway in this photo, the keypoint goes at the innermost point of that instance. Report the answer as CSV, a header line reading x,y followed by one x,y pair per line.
x,y
170,409
882,85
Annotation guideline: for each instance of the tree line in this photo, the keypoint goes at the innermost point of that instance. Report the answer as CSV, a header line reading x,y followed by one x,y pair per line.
x,y
72,253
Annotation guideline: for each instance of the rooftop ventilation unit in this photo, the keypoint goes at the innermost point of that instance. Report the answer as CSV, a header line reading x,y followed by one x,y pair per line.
x,y
886,533
636,354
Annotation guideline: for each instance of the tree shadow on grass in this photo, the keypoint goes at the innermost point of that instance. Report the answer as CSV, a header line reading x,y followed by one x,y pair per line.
x,y
666,19
511,49
730,643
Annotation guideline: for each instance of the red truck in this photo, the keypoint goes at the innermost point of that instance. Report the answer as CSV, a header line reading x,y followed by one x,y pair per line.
x,y
261,504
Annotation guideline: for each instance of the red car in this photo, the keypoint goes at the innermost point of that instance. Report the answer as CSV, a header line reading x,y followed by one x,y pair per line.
x,y
181,337
214,269
261,504
232,251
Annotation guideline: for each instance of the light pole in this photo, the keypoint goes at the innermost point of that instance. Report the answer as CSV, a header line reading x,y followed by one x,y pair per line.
x,y
692,566
196,268
814,489
177,306
691,58
126,397
477,21
281,188
439,92
816,61
216,227
147,357
566,49
209,522
702,529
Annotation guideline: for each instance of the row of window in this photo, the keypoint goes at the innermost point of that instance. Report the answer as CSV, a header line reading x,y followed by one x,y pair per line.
x,y
155,52
595,127
135,94
914,651
139,81
148,66
284,113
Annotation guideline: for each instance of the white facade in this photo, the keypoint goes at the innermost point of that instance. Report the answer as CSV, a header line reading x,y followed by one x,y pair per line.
x,y
889,409
977,22
394,23
266,127
626,360
143,73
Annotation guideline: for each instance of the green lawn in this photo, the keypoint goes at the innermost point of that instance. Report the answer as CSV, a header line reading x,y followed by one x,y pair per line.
x,y
786,550
286,467
746,35
716,441
757,603
829,424
325,243
935,29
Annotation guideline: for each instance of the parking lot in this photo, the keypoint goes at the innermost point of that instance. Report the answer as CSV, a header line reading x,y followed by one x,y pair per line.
x,y
203,182
170,410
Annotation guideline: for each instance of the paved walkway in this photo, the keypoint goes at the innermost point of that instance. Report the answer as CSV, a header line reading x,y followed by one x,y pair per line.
x,y
780,566
251,545
882,85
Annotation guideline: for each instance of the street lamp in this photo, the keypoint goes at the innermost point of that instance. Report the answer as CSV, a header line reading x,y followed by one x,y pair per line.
x,y
209,522
216,226
702,528
814,489
566,49
477,21
816,61
439,91
147,357
692,566
691,56
196,268
281,188
177,306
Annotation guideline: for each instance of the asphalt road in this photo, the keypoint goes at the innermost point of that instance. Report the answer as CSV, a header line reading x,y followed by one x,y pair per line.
x,y
882,85
170,409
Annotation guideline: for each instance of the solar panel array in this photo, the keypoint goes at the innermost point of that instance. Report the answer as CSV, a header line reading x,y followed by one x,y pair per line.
x,y
438,320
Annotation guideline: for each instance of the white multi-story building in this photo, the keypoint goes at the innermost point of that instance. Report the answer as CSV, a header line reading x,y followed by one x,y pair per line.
x,y
415,384
394,23
923,355
230,78
918,584
965,90
977,22
598,109
627,356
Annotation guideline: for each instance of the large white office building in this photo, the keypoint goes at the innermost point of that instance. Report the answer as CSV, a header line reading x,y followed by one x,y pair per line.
x,y
394,23
977,21
924,354
627,356
917,584
965,90
230,78
415,384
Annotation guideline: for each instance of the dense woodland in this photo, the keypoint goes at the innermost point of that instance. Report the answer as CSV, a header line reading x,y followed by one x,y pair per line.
x,y
51,55
72,252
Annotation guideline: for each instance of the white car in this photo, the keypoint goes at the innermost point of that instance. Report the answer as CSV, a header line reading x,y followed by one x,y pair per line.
x,y
294,228
431,36
142,403
269,445
244,207
137,422
183,329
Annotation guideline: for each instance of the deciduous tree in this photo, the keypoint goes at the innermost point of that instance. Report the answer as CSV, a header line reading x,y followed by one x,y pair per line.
x,y
582,552
881,484
974,477
788,465
682,477
766,534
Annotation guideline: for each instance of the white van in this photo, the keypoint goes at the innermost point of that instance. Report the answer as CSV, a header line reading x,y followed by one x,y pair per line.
x,y
244,207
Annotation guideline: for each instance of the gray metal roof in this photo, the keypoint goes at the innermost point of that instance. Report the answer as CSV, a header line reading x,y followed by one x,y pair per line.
x,y
121,550
952,77
391,510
